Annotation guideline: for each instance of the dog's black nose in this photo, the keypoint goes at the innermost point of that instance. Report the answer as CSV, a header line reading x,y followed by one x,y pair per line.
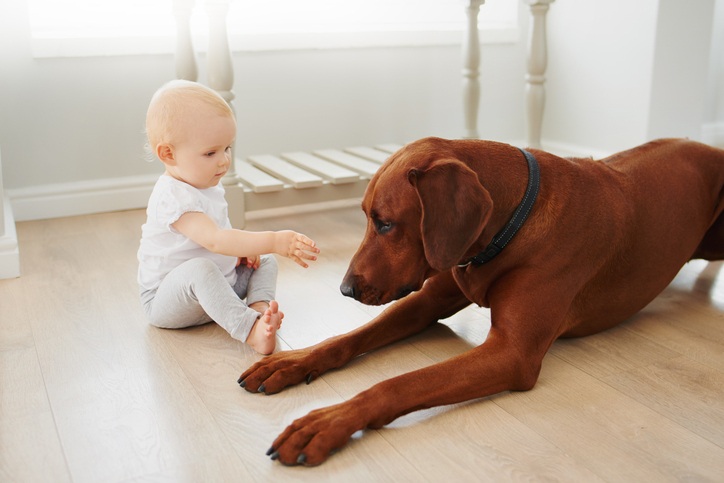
x,y
347,289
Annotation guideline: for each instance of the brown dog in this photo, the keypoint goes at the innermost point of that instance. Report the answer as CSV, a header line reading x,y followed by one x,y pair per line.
x,y
596,241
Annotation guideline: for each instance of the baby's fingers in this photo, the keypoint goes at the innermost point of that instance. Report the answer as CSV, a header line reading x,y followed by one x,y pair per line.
x,y
300,255
302,248
306,243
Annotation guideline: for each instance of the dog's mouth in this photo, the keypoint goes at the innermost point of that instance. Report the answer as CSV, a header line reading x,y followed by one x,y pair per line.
x,y
404,292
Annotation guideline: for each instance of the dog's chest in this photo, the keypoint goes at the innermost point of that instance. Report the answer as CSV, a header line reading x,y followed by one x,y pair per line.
x,y
473,282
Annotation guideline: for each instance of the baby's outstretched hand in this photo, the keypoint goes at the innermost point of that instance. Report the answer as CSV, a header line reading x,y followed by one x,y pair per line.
x,y
300,247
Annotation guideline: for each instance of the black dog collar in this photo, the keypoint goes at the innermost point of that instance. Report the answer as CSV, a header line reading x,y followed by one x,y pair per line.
x,y
521,213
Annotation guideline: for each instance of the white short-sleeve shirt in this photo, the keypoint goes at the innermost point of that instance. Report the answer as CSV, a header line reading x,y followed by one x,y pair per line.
x,y
162,247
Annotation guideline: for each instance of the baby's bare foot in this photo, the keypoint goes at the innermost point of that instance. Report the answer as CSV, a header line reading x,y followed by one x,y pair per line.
x,y
262,337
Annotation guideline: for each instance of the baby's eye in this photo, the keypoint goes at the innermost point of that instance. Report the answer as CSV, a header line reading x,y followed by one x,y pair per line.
x,y
210,154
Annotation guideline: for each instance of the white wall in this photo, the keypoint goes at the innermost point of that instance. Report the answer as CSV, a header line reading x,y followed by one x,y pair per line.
x,y
681,68
714,105
596,80
80,119
624,72
75,123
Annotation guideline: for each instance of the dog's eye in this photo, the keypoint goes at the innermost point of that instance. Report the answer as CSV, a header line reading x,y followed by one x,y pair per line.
x,y
382,226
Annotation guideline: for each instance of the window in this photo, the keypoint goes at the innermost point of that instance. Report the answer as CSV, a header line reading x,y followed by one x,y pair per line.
x,y
108,27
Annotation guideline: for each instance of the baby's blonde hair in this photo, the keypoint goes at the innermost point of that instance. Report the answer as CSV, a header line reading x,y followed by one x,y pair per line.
x,y
174,101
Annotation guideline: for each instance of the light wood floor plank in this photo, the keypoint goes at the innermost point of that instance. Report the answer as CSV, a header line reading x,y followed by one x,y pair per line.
x,y
87,384
30,450
479,441
16,333
614,351
252,421
684,391
612,434
123,408
25,413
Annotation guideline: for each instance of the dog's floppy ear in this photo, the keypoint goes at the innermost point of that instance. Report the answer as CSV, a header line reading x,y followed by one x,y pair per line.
x,y
455,209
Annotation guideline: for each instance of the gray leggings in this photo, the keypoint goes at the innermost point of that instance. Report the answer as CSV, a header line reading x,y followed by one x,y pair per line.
x,y
196,292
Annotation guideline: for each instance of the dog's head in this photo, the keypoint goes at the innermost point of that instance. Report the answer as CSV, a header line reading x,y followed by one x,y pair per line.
x,y
425,208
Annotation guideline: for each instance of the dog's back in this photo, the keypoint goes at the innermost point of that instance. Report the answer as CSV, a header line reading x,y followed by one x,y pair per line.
x,y
677,189
667,209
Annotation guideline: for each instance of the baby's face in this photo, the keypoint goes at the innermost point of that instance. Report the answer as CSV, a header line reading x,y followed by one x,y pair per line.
x,y
203,156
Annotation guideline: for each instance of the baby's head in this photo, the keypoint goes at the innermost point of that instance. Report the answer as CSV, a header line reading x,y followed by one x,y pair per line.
x,y
173,108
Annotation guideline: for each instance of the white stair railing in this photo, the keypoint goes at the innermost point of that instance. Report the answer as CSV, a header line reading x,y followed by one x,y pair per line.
x,y
535,78
220,67
185,54
220,77
471,69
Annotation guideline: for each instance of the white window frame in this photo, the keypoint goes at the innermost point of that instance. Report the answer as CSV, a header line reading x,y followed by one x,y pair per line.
x,y
82,44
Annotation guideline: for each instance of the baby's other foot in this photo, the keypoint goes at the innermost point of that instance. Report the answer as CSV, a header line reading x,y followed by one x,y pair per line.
x,y
262,337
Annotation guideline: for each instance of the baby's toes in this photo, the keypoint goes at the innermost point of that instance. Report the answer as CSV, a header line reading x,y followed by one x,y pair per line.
x,y
274,306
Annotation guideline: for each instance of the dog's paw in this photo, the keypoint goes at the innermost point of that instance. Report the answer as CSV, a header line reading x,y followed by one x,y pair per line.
x,y
277,371
312,439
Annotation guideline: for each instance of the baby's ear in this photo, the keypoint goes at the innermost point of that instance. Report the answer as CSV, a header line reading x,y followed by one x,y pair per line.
x,y
165,154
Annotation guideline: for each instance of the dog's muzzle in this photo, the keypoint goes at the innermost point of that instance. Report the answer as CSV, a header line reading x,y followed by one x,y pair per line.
x,y
347,289
351,287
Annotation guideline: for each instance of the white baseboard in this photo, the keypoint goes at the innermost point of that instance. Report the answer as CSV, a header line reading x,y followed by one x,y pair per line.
x,y
713,134
81,198
565,149
573,150
9,252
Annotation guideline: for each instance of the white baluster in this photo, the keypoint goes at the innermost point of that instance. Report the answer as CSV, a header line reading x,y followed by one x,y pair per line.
x,y
471,69
537,64
185,56
220,67
221,71
221,79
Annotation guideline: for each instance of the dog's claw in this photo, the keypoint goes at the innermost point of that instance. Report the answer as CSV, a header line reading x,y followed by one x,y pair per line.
x,y
242,382
261,388
310,378
270,451
302,459
275,455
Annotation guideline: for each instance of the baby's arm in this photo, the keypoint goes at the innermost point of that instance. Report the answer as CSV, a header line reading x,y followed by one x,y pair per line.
x,y
239,243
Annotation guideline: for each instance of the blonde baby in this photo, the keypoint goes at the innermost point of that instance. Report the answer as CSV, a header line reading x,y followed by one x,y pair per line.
x,y
193,266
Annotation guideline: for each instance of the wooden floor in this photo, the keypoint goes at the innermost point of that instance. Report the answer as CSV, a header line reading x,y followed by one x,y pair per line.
x,y
91,393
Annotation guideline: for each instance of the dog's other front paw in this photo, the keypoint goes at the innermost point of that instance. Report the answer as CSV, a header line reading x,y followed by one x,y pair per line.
x,y
277,371
310,440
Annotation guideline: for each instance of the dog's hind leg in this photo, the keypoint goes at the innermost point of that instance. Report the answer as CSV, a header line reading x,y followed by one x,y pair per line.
x,y
712,245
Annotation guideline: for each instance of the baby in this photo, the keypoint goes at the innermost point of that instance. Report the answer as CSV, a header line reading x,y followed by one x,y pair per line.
x,y
193,267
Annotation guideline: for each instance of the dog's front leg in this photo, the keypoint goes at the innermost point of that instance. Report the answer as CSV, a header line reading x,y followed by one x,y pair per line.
x,y
440,297
497,365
